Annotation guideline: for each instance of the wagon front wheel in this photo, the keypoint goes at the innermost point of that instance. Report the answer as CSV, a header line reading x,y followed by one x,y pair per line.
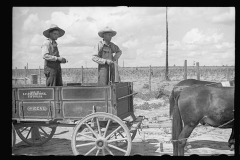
x,y
35,135
98,138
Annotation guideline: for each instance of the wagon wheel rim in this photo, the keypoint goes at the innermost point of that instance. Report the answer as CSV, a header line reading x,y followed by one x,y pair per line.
x,y
44,134
13,137
98,140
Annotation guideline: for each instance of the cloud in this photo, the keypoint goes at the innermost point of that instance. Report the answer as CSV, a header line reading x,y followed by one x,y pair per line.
x,y
174,45
195,36
130,43
157,38
183,14
62,20
32,24
219,15
19,12
227,18
68,39
37,40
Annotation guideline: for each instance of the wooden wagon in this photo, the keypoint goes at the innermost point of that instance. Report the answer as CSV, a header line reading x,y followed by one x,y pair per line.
x,y
102,116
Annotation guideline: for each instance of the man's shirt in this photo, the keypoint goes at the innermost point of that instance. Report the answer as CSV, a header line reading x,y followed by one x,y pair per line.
x,y
50,50
104,51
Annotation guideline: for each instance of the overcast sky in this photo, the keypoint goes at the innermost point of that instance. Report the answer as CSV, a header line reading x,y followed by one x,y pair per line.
x,y
202,34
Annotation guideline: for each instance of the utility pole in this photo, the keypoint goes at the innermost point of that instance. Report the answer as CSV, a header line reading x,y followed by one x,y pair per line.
x,y
166,73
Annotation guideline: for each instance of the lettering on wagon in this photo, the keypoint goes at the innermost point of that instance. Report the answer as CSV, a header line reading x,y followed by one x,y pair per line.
x,y
38,108
34,94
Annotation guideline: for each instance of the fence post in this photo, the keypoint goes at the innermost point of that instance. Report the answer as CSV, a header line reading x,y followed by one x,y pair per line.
x,y
150,72
82,74
25,70
16,72
198,73
228,74
39,75
185,69
233,74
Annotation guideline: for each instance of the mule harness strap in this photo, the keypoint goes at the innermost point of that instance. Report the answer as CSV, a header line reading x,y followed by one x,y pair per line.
x,y
212,83
203,133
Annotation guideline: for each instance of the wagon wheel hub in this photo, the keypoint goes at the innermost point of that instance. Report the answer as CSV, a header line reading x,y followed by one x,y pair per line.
x,y
100,143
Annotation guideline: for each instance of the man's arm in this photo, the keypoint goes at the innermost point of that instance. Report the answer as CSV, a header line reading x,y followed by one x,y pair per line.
x,y
117,51
96,57
45,52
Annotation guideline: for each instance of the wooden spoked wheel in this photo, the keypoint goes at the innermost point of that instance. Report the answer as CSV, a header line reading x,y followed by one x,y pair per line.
x,y
13,137
35,135
98,138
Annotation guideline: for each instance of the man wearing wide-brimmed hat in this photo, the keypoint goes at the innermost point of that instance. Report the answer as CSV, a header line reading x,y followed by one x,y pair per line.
x,y
104,56
52,59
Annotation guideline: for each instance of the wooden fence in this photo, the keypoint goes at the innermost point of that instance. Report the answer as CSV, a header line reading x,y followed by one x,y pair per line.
x,y
33,74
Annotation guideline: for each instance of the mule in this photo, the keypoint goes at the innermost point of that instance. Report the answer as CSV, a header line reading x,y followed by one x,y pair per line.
x,y
186,83
200,104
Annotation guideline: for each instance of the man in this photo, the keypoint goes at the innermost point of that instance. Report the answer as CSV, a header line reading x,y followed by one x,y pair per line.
x,y
104,56
52,59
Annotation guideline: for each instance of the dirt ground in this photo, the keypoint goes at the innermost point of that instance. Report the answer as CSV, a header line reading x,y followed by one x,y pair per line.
x,y
146,142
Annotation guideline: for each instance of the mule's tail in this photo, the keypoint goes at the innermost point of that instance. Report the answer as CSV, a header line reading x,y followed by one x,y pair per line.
x,y
177,126
171,103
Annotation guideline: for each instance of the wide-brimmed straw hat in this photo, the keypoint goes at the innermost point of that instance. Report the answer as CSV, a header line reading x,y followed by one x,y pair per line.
x,y
106,30
54,26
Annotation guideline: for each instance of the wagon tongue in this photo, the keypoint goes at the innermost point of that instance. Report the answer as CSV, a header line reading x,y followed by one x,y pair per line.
x,y
136,123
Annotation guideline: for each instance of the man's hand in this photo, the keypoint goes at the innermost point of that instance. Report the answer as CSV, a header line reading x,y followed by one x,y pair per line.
x,y
61,59
108,61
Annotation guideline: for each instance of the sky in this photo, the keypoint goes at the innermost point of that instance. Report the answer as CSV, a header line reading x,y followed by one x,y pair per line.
x,y
201,34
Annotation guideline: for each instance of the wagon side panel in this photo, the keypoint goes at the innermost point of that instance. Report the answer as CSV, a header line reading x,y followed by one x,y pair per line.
x,y
34,104
78,102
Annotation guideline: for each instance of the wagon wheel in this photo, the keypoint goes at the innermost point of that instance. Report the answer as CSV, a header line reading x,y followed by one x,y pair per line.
x,y
13,137
43,134
102,142
121,134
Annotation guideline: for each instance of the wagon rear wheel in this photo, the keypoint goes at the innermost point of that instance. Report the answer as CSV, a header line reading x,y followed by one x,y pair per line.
x,y
98,138
35,135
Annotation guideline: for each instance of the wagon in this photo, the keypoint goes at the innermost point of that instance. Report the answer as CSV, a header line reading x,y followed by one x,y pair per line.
x,y
102,116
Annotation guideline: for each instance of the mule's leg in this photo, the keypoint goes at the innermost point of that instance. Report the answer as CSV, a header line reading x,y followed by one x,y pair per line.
x,y
176,129
186,132
171,104
231,141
